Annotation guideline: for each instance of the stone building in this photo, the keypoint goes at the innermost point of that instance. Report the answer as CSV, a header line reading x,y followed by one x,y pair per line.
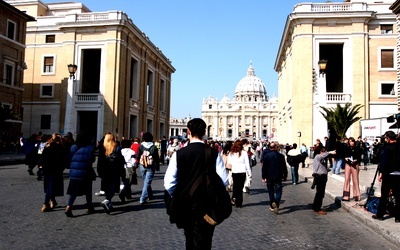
x,y
178,127
357,39
118,80
250,113
13,24
395,7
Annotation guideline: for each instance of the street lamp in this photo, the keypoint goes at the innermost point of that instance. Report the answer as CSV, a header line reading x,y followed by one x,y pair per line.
x,y
72,69
322,66
299,135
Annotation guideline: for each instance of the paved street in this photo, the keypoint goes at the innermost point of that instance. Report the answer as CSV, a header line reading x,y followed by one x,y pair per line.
x,y
132,226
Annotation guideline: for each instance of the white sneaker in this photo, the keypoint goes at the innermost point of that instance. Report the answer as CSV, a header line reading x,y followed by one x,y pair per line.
x,y
106,204
101,193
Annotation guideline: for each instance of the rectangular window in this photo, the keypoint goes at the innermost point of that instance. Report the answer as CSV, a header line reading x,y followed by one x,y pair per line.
x,y
50,38
386,28
45,121
8,75
209,106
387,58
162,95
11,29
48,66
387,89
149,90
46,90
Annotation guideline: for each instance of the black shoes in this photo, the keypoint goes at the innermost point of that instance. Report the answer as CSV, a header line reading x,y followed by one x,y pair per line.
x,y
122,197
376,217
68,212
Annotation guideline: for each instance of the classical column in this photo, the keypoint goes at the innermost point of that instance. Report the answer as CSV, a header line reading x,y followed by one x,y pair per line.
x,y
69,122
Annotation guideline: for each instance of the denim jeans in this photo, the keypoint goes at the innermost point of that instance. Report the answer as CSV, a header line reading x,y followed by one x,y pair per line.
x,y
295,173
337,165
274,191
147,176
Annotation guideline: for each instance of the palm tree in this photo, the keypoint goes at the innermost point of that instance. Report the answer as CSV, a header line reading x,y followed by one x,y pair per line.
x,y
341,118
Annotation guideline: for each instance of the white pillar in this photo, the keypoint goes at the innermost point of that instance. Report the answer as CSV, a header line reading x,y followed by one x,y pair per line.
x,y
319,122
69,123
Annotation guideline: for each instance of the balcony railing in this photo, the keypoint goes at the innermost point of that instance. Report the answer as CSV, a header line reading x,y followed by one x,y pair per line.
x,y
382,7
338,98
89,98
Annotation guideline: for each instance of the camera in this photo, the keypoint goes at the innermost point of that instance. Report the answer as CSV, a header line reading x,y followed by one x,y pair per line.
x,y
313,184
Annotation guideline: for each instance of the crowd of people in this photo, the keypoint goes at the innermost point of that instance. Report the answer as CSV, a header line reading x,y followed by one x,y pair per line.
x,y
120,162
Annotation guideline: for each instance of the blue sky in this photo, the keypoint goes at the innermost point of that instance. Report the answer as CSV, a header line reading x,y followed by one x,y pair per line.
x,y
210,42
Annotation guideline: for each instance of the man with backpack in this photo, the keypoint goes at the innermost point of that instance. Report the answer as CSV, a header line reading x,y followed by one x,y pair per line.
x,y
185,167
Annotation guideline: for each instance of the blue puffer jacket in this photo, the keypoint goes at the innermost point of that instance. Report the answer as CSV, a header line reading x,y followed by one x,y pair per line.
x,y
81,163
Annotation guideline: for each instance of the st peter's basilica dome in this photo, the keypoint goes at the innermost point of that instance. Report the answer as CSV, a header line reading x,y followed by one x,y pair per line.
x,y
250,85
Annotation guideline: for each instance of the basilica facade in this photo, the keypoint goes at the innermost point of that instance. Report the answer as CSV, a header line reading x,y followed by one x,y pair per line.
x,y
250,113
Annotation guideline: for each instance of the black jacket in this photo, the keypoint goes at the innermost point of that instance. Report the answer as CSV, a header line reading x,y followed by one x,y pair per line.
x,y
274,167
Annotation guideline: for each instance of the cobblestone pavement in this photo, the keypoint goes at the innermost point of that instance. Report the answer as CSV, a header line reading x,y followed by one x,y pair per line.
x,y
131,226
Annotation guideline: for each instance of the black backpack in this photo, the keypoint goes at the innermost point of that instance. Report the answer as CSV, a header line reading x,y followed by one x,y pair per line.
x,y
208,195
219,206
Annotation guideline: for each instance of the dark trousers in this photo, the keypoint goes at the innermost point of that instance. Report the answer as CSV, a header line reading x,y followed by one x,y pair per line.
x,y
320,182
199,235
389,182
274,191
238,184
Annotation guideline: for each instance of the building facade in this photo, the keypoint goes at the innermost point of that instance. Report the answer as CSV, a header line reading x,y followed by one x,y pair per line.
x,y
250,113
178,127
358,40
395,7
119,82
13,24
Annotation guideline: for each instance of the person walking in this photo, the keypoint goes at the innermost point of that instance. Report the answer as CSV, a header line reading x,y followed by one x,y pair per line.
x,y
129,165
224,154
29,148
294,158
81,173
239,160
352,170
163,149
147,169
273,171
53,164
338,162
389,175
304,154
320,174
110,167
185,166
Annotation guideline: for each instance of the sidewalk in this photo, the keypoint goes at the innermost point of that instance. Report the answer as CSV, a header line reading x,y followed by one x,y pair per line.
x,y
334,189
9,158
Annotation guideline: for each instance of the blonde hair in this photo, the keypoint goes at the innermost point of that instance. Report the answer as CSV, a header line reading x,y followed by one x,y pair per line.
x,y
109,143
57,138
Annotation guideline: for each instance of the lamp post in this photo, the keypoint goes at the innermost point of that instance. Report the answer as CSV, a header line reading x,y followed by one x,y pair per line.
x,y
299,135
322,66
72,69
319,100
69,122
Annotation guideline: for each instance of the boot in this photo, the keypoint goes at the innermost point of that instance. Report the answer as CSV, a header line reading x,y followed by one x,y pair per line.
x,y
45,208
68,211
